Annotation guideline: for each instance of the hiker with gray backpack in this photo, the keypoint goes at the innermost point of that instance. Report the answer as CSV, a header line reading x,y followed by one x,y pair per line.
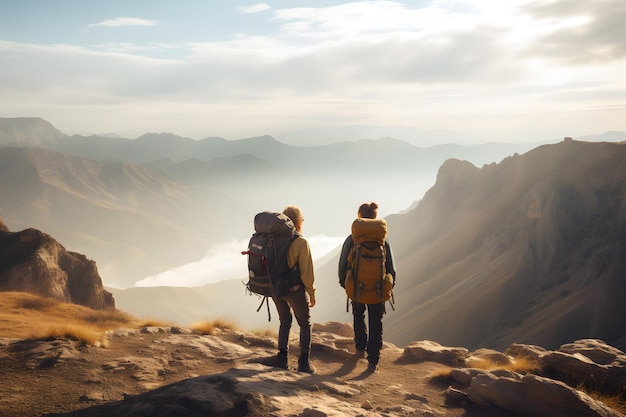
x,y
280,267
367,274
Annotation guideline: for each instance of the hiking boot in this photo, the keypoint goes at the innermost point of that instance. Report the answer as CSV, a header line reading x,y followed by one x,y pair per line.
x,y
372,367
281,360
305,366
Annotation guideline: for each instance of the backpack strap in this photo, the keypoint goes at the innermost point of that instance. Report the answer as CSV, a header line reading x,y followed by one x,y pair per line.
x,y
266,301
357,256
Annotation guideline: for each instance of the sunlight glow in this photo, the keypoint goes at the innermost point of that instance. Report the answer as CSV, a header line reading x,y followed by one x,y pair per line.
x,y
224,262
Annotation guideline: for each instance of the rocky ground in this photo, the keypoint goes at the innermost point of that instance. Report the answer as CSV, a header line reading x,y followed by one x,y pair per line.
x,y
174,371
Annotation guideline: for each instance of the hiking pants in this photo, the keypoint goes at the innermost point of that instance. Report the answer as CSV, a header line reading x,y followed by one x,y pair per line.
x,y
298,301
375,320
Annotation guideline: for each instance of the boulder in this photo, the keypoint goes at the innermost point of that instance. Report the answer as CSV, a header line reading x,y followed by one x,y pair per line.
x,y
334,327
32,261
542,395
464,376
596,350
537,396
532,352
491,356
588,362
426,350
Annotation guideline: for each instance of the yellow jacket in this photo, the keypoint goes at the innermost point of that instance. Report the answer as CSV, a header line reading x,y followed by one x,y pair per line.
x,y
300,253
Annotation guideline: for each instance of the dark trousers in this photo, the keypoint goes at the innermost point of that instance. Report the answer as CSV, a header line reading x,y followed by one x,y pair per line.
x,y
298,301
375,323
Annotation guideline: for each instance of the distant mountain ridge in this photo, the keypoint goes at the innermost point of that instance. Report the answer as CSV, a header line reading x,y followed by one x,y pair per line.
x,y
155,146
28,131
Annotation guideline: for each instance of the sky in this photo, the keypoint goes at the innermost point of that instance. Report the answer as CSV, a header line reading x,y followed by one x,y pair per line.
x,y
494,70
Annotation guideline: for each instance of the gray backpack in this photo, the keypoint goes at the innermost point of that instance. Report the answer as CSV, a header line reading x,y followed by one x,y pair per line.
x,y
269,274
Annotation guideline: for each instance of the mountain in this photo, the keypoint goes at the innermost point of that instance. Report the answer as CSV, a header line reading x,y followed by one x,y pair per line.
x,y
610,136
528,250
328,136
132,221
32,261
412,135
28,131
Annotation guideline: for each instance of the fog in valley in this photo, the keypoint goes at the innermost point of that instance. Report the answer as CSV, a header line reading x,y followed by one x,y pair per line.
x,y
224,262
329,203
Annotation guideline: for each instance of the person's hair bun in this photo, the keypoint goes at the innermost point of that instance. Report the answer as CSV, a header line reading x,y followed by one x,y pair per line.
x,y
368,210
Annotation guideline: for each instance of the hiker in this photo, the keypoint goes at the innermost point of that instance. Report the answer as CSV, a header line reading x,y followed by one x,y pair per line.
x,y
376,308
300,298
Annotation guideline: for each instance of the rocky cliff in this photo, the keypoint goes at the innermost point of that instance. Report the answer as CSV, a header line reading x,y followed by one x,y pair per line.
x,y
34,262
528,250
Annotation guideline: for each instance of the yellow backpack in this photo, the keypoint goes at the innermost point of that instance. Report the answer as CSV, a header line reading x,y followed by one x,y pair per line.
x,y
367,280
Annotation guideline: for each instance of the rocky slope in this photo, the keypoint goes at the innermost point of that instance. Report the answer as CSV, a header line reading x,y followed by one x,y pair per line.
x,y
34,262
170,371
529,250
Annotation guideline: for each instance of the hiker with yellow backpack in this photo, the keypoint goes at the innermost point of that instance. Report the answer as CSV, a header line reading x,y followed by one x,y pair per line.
x,y
367,273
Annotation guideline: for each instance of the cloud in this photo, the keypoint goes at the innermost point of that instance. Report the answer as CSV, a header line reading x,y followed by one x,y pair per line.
x,y
581,32
366,62
220,263
255,8
224,262
124,21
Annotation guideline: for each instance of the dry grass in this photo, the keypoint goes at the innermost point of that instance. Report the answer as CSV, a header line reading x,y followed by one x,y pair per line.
x,y
151,322
212,326
29,316
109,319
35,303
440,373
82,333
616,401
521,365
264,332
